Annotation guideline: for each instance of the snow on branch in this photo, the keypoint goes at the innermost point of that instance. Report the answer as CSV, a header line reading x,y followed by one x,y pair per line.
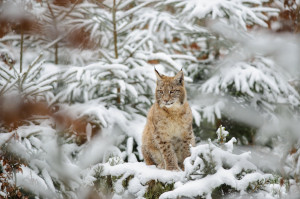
x,y
209,167
239,13
257,81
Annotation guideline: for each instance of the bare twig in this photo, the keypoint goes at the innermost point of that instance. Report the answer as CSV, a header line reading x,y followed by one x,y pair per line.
x,y
56,53
2,91
55,26
21,48
114,10
74,5
100,4
30,67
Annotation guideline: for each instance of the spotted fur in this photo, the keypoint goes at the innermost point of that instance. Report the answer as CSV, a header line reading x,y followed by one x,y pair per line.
x,y
168,132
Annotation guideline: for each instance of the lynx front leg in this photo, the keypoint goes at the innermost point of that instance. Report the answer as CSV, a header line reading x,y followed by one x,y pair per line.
x,y
147,156
183,150
168,155
152,156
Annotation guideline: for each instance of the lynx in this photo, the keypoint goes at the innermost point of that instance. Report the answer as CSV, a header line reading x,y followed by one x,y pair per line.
x,y
168,133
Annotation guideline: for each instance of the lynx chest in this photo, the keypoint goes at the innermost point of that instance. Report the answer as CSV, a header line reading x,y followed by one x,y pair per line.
x,y
173,126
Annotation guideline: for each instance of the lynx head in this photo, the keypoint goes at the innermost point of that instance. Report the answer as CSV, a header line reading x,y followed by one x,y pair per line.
x,y
170,91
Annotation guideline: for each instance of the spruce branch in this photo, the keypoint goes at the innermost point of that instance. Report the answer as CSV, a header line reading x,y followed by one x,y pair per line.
x,y
30,67
137,47
37,91
55,41
2,91
105,55
100,4
6,72
131,11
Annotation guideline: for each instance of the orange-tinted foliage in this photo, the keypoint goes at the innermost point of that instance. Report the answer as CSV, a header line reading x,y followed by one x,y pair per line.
x,y
194,46
153,61
203,57
293,150
14,113
80,38
288,19
176,39
66,3
5,27
29,25
10,164
19,113
79,127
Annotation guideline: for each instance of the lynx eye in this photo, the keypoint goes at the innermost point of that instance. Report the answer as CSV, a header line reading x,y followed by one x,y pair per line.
x,y
171,92
160,91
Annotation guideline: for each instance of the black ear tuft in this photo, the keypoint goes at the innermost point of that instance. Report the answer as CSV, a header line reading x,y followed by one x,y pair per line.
x,y
179,77
159,76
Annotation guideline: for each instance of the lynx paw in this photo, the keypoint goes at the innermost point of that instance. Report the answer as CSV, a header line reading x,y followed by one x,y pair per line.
x,y
161,166
173,168
181,167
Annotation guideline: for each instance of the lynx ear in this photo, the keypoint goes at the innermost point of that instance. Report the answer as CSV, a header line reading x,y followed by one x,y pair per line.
x,y
159,76
179,77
